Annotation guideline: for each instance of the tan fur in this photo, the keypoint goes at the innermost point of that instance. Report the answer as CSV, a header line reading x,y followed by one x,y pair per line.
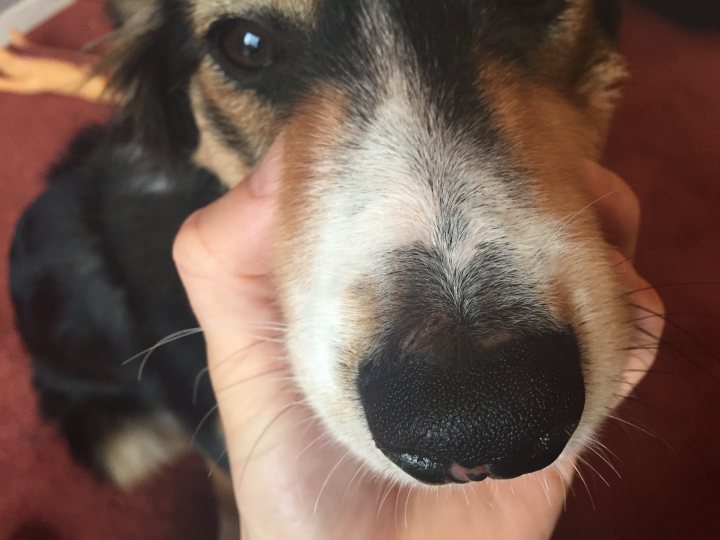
x,y
140,447
253,119
311,133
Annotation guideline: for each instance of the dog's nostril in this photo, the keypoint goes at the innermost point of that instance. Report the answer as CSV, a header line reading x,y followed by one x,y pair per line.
x,y
462,474
425,469
437,470
537,455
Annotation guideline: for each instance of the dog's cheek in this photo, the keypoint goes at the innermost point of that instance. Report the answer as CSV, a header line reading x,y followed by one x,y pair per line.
x,y
310,314
603,315
549,138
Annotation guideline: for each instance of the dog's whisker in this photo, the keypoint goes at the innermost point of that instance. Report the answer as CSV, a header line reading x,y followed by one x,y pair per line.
x,y
216,407
384,498
324,437
643,347
591,448
327,480
593,469
688,355
671,285
395,513
360,471
597,442
197,330
241,382
568,222
168,339
587,488
556,469
196,384
202,422
464,492
705,352
229,389
283,411
634,399
244,349
639,428
165,341
216,463
542,478
407,503
307,447
147,353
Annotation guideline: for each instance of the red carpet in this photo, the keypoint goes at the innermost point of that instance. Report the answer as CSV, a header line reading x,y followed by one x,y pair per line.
x,y
666,142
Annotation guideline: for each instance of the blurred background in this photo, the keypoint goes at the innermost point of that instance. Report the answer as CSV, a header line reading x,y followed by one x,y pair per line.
x,y
661,475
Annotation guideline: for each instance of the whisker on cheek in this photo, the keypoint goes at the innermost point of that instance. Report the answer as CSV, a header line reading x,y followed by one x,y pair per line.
x,y
327,480
594,470
591,448
584,482
282,412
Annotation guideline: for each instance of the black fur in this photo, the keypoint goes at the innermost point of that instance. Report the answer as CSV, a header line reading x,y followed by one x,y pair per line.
x,y
150,67
608,14
93,284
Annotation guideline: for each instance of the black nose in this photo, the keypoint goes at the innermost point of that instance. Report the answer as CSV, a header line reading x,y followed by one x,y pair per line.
x,y
499,411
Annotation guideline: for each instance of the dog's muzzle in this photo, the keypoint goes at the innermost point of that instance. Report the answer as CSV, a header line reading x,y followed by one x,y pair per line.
x,y
463,411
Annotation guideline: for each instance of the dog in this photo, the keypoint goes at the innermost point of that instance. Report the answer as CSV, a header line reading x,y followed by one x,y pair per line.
x,y
434,237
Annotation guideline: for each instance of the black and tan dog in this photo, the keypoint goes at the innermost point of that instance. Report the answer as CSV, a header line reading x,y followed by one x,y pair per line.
x,y
434,237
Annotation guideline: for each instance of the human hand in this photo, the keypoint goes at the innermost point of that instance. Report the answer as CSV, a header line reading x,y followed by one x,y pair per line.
x,y
290,479
28,69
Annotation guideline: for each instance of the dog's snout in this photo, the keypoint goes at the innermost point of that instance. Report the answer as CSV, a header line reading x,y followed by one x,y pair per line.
x,y
498,411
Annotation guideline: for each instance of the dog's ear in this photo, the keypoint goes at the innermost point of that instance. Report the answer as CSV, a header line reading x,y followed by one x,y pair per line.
x,y
609,14
149,67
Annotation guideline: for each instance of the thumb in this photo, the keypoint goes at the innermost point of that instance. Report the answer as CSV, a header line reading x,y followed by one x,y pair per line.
x,y
222,253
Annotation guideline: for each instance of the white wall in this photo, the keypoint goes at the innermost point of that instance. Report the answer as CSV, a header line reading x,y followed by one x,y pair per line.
x,y
26,14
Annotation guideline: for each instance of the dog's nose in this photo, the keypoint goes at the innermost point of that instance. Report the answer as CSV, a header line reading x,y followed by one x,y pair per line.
x,y
475,412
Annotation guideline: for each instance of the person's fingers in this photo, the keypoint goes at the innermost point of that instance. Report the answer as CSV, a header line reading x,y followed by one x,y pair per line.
x,y
618,210
232,235
616,206
647,319
17,86
18,39
12,64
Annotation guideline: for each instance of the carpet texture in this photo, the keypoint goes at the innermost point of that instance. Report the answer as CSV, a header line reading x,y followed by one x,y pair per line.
x,y
665,142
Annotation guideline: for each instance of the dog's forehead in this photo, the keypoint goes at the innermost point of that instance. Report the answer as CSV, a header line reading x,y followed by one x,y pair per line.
x,y
205,12
421,17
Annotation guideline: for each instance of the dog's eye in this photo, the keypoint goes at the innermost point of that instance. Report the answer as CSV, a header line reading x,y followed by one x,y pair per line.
x,y
246,44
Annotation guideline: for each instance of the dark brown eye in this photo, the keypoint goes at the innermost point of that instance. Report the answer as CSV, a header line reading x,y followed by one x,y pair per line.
x,y
247,44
